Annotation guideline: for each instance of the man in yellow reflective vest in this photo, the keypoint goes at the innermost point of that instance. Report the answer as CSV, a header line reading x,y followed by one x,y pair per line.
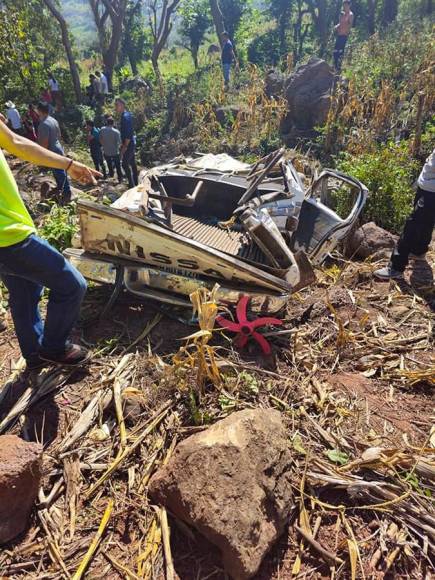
x,y
28,263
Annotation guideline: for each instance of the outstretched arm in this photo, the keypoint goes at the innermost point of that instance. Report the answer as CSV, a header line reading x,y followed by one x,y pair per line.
x,y
29,151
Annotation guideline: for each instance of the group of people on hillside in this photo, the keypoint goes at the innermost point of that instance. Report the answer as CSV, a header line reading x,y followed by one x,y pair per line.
x,y
98,89
116,148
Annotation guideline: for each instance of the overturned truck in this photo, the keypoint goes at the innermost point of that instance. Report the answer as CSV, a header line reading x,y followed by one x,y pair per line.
x,y
253,229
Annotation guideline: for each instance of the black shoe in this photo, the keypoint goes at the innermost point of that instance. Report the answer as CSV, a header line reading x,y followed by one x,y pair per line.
x,y
73,356
35,363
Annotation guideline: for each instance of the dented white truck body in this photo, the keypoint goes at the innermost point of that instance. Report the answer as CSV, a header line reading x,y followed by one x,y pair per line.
x,y
254,230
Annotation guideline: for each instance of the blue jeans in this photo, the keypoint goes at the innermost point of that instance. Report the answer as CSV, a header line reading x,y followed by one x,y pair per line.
x,y
25,269
61,177
226,68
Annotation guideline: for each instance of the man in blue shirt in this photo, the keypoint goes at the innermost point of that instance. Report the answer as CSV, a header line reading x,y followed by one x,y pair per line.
x,y
128,143
228,57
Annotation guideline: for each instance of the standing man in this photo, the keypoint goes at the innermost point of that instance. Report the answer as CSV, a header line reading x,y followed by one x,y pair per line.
x,y
49,138
110,139
228,57
28,264
104,85
342,30
93,138
14,119
128,143
417,233
54,88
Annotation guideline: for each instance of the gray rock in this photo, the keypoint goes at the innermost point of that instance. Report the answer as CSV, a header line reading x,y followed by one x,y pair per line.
x,y
233,484
274,83
370,240
20,474
308,93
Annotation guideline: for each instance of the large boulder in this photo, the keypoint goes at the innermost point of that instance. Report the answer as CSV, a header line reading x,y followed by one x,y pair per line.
x,y
20,474
370,241
274,83
233,484
308,93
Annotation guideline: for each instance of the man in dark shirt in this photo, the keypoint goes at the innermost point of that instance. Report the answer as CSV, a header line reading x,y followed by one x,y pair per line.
x,y
128,143
93,138
228,57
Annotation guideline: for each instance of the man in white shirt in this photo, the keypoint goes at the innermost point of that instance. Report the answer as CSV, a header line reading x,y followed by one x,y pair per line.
x,y
54,88
13,117
103,83
417,233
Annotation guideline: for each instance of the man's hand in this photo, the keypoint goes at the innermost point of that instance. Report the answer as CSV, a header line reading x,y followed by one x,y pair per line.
x,y
83,174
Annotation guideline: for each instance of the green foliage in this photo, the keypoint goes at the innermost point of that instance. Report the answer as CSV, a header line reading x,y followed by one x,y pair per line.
x,y
136,42
59,226
233,11
389,173
265,49
195,22
29,46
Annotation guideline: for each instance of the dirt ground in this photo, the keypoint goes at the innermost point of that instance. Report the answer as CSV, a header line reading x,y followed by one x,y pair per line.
x,y
357,367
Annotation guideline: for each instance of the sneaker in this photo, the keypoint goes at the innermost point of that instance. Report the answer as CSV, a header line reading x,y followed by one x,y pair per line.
x,y
74,355
418,257
388,273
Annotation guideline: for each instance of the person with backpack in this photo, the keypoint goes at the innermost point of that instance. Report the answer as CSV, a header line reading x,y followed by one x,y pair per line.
x,y
93,138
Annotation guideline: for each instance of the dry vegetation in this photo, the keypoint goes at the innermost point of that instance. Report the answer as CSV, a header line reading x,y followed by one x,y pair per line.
x,y
351,370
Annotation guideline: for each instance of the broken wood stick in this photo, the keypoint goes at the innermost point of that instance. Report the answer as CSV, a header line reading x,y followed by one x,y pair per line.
x,y
328,556
152,424
166,536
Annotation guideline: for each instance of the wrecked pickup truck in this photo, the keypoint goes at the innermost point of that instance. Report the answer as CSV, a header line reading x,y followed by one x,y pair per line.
x,y
253,229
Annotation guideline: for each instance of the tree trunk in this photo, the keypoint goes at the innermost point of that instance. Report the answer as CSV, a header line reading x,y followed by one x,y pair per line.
x,y
68,49
133,64
389,12
318,10
371,15
110,56
194,50
218,19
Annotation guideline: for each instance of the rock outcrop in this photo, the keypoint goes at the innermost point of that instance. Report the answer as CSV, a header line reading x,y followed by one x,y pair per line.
x,y
369,241
20,474
274,83
233,484
308,93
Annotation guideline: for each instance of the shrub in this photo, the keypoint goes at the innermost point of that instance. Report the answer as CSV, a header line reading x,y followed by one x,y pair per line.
x,y
265,50
389,173
59,226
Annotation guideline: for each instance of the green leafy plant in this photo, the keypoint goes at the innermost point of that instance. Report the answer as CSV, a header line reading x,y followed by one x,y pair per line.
x,y
389,172
59,226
